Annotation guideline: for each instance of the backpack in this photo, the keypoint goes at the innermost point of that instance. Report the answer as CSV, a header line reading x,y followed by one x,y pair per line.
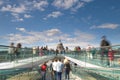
x,y
43,67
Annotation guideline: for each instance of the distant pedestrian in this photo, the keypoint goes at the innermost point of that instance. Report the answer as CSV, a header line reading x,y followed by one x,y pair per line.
x,y
41,52
66,50
56,52
18,51
88,51
105,45
11,51
93,51
34,51
111,56
79,51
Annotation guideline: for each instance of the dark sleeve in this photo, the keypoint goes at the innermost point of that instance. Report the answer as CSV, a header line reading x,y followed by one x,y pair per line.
x,y
70,67
51,66
107,43
101,44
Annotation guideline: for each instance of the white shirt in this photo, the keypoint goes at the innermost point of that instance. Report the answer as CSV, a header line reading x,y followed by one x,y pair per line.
x,y
11,50
54,65
59,67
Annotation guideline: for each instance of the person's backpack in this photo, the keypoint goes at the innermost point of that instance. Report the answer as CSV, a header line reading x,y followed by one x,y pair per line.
x,y
43,67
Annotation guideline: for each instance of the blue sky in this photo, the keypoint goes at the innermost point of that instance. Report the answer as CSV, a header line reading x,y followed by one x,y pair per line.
x,y
44,22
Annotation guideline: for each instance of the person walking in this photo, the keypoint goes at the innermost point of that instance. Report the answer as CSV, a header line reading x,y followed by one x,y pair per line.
x,y
11,51
105,45
18,51
54,65
34,51
88,51
59,69
111,56
67,70
43,70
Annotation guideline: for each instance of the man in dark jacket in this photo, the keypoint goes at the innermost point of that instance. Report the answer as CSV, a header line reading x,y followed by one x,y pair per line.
x,y
105,45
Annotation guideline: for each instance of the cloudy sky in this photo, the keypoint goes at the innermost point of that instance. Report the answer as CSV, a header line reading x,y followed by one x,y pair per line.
x,y
44,22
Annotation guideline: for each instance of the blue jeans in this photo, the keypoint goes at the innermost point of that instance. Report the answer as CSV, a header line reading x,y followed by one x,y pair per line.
x,y
43,73
59,75
67,72
55,75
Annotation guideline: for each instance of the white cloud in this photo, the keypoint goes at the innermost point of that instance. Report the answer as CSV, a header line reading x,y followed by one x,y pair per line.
x,y
20,11
65,4
19,19
79,5
19,38
84,36
70,4
54,14
51,37
16,17
107,26
40,5
27,16
73,45
14,9
21,29
24,7
1,2
53,32
87,0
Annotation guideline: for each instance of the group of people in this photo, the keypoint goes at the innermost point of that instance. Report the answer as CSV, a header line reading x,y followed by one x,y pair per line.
x,y
14,52
106,52
57,67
